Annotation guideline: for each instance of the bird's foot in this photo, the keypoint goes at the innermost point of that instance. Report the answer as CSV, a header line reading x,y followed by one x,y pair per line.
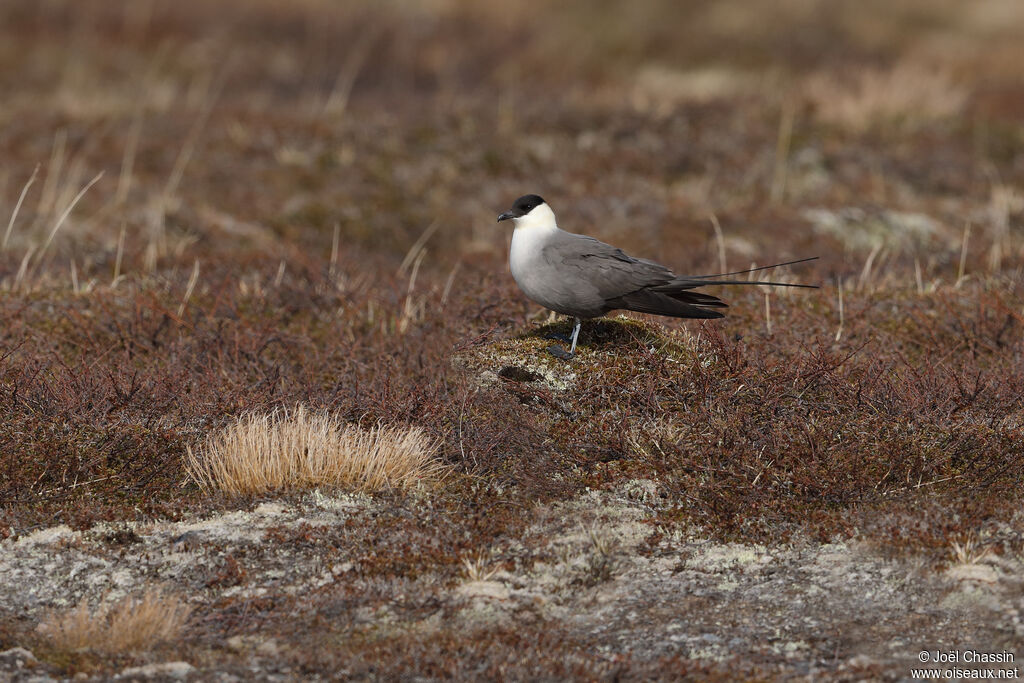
x,y
559,352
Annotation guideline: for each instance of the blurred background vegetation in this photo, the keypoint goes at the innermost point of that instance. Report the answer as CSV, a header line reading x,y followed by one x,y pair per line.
x,y
257,127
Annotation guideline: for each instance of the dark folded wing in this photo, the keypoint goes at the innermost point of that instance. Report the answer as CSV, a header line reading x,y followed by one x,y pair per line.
x,y
608,270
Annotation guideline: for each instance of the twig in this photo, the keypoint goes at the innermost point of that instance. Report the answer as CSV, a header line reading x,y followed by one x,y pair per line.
x,y
76,484
839,332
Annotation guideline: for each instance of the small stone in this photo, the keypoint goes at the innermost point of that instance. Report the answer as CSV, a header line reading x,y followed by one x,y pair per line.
x,y
981,573
190,540
172,670
236,643
19,657
485,589
269,648
861,661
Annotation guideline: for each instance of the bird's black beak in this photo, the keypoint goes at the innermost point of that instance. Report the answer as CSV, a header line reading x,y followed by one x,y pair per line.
x,y
507,215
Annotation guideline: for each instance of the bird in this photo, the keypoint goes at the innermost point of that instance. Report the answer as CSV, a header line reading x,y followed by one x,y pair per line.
x,y
582,277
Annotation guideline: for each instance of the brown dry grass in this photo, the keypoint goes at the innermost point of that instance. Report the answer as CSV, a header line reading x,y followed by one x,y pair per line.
x,y
131,625
908,95
299,448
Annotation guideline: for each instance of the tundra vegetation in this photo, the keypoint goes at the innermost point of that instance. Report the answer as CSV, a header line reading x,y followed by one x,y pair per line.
x,y
271,404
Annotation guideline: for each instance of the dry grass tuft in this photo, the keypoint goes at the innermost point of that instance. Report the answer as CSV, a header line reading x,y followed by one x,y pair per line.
x,y
970,551
130,625
479,567
299,449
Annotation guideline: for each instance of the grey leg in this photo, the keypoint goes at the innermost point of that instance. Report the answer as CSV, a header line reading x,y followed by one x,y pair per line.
x,y
575,334
559,352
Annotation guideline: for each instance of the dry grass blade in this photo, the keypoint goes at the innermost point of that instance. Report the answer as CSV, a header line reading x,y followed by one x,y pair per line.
x,y
300,448
19,278
448,283
720,241
337,100
411,312
785,137
417,248
131,625
1005,201
67,212
962,268
192,280
192,139
48,196
334,251
17,206
120,254
124,182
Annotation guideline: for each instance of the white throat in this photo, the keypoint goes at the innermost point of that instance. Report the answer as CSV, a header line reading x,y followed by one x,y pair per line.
x,y
542,218
531,234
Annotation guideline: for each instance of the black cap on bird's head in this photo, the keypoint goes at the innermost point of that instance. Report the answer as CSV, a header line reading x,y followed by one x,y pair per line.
x,y
522,206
